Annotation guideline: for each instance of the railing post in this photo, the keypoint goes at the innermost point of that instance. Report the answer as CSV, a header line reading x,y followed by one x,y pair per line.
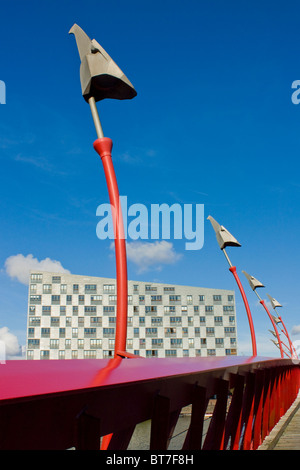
x,y
193,440
258,408
160,423
248,405
215,433
234,417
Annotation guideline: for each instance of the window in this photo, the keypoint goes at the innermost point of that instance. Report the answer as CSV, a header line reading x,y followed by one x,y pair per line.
x,y
62,310
184,309
54,321
33,288
81,299
68,321
47,288
209,308
33,343
175,298
229,330
112,320
156,320
54,343
46,309
32,310
69,299
152,309
96,343
75,309
142,320
74,332
62,332
171,353
89,354
135,288
196,309
109,288
68,344
170,309
45,354
63,288
112,298
142,342
150,288
56,279
45,332
189,299
109,309
176,342
141,298
36,277
136,332
197,331
55,299
80,343
156,298
210,331
170,331
90,288
169,289
35,299
219,342
90,331
108,331
75,288
90,310
61,354
202,320
211,352
157,343
151,331
96,321
228,308
190,321
175,320
203,342
230,298
218,320
34,321
96,298
30,332
217,298
151,353
201,298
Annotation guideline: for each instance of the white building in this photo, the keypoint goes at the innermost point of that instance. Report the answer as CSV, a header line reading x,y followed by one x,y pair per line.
x,y
71,316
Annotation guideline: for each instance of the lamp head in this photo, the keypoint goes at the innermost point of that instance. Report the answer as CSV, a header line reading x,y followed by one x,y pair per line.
x,y
254,283
224,238
274,302
100,76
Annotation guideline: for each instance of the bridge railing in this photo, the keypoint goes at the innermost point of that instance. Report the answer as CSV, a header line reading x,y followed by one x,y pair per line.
x,y
75,403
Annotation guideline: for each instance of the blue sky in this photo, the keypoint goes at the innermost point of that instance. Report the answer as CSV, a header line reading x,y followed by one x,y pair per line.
x,y
213,123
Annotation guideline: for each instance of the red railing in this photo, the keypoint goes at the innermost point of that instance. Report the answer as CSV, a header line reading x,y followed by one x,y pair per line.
x,y
72,403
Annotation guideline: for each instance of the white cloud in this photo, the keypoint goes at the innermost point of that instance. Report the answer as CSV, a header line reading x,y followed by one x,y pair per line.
x,y
11,343
296,330
19,266
151,255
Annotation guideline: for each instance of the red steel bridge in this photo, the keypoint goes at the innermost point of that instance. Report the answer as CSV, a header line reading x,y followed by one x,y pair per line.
x,y
51,405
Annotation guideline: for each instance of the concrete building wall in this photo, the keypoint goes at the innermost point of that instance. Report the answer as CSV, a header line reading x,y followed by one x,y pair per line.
x,y
72,316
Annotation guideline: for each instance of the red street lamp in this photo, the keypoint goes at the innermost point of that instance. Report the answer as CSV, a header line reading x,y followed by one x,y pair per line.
x,y
278,319
101,78
224,239
254,284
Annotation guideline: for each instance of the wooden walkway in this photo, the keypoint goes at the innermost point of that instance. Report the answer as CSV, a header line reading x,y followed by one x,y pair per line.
x,y
286,434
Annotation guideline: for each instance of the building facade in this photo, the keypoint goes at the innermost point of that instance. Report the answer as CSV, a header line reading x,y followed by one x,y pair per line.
x,y
74,317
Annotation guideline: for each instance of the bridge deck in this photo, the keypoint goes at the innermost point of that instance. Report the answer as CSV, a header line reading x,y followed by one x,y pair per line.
x,y
286,434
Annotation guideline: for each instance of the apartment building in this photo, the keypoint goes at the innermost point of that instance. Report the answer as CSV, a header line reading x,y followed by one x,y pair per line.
x,y
74,317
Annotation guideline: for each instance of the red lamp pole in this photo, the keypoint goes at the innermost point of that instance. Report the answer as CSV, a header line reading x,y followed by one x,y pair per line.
x,y
103,146
292,349
274,326
232,269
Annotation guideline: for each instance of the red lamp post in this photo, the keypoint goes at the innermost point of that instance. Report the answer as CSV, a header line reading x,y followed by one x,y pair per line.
x,y
224,239
254,284
101,78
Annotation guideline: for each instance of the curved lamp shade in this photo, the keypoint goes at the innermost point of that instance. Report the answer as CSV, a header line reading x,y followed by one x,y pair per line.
x,y
224,238
254,283
100,76
274,302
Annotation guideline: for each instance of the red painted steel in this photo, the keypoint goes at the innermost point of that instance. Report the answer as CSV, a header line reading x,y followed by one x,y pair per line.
x,y
103,147
72,403
232,269
274,326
